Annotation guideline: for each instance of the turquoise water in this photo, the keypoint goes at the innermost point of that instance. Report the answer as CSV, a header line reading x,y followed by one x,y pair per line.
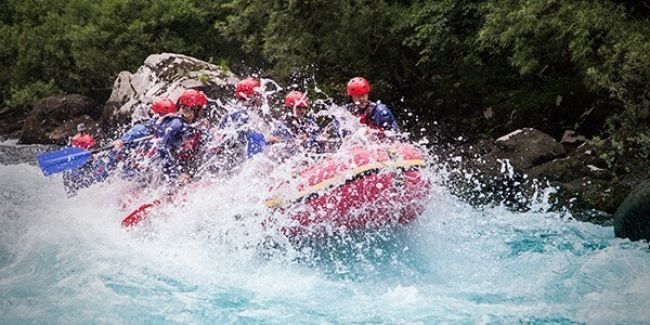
x,y
68,261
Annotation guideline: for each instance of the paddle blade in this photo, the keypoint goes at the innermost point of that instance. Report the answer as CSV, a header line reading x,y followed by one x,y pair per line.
x,y
64,159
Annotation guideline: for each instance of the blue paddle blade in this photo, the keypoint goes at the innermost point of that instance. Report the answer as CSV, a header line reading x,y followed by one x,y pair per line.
x,y
61,160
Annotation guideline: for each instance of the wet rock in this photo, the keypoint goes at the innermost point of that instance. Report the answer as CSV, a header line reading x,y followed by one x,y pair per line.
x,y
11,120
591,122
164,75
583,162
591,200
44,122
632,218
584,184
498,176
572,139
513,153
526,148
509,170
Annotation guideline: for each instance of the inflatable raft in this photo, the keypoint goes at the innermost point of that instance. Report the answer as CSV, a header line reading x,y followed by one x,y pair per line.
x,y
353,189
358,189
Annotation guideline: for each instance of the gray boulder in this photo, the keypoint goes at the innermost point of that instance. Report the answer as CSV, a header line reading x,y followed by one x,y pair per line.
x,y
164,75
526,148
515,153
632,218
584,161
496,170
11,153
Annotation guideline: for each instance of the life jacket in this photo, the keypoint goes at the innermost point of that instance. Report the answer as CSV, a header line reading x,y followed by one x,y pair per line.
x,y
173,133
293,128
139,130
378,116
246,134
189,146
177,144
83,141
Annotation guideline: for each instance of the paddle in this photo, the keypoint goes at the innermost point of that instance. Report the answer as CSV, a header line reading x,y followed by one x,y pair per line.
x,y
139,214
71,157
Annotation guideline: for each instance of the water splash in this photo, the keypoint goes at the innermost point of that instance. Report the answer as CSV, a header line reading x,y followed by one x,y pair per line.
x,y
67,260
213,259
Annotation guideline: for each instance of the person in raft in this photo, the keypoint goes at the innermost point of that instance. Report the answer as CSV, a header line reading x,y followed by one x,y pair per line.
x,y
144,121
90,172
245,121
179,137
375,115
299,129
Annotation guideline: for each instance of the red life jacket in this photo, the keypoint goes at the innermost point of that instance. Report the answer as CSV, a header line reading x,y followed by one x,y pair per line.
x,y
365,120
189,146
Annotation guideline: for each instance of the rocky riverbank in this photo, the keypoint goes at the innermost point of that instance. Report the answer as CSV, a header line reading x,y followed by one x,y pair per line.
x,y
52,120
511,169
499,168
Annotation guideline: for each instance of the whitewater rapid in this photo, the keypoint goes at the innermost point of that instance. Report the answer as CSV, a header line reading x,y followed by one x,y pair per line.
x,y
67,260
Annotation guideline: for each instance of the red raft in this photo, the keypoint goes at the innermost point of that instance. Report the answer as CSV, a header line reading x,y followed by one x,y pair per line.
x,y
359,189
351,190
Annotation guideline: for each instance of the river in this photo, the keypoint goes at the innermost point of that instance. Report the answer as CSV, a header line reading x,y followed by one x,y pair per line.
x,y
67,260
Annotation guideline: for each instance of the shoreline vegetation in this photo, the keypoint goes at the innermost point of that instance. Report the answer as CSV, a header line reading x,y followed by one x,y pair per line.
x,y
462,73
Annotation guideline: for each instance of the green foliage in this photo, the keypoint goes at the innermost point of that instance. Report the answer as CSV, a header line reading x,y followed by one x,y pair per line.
x,y
224,64
22,98
204,78
82,45
596,42
339,38
443,57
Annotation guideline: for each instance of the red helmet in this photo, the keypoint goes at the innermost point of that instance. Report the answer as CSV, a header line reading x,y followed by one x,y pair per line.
x,y
296,99
83,141
163,106
192,98
358,86
246,88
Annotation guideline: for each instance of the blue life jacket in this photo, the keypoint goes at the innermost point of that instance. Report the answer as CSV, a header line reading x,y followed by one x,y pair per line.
x,y
239,120
308,127
235,120
380,117
178,142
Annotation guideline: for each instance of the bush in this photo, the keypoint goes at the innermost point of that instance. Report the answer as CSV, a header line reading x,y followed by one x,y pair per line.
x,y
448,57
23,98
